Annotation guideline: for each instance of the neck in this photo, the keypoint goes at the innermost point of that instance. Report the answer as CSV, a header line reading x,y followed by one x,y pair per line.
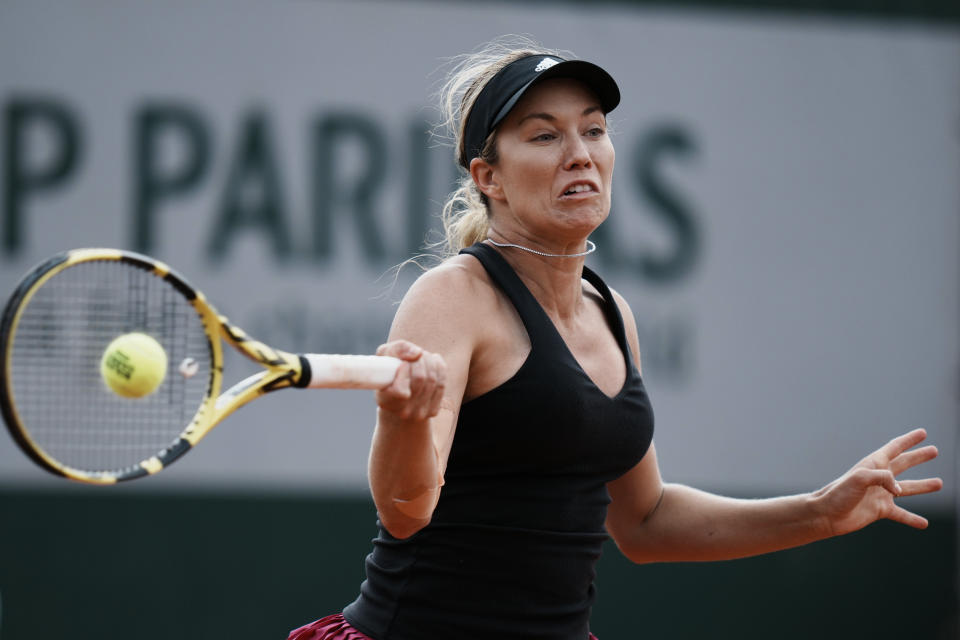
x,y
552,274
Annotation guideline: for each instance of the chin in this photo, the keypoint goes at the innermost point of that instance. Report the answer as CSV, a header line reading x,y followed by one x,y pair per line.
x,y
587,222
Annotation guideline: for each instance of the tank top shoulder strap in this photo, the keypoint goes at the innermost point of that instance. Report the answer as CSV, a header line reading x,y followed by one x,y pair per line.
x,y
612,312
538,325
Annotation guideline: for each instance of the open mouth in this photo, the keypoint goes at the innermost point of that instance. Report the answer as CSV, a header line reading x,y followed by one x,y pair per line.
x,y
579,188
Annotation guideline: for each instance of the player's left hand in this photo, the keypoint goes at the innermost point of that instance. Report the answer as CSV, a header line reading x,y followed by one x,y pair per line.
x,y
866,492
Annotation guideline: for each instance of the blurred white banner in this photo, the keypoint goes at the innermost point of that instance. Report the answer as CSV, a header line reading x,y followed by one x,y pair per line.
x,y
785,219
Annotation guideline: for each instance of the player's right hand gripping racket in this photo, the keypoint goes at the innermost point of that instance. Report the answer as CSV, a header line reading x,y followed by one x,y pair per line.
x,y
64,314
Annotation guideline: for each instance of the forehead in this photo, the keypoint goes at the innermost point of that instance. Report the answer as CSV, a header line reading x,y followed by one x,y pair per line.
x,y
557,97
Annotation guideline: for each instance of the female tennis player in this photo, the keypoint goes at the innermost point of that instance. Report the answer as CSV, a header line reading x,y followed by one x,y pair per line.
x,y
518,435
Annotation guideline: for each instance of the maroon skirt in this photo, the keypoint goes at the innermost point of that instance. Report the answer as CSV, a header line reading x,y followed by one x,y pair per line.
x,y
335,628
330,628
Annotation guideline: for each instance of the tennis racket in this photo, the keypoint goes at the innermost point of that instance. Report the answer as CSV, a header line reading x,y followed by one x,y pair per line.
x,y
64,314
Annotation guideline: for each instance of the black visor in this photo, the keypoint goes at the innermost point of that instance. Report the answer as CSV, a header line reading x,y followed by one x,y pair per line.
x,y
502,92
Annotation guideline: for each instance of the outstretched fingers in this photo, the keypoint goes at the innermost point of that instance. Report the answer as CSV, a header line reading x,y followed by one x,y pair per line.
x,y
918,487
901,443
912,458
868,491
904,457
901,515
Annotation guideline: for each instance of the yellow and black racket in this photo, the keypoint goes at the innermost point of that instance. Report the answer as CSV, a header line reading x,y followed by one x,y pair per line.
x,y
55,332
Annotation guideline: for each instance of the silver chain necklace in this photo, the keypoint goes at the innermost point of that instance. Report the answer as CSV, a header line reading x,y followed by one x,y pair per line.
x,y
590,249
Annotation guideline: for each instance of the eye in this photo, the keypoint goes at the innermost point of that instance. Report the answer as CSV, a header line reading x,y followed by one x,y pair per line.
x,y
595,132
543,137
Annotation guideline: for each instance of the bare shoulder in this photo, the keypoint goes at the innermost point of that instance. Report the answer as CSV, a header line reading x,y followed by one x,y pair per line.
x,y
443,303
459,280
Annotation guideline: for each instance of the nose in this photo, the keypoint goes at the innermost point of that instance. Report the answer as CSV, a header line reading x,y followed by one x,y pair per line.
x,y
576,153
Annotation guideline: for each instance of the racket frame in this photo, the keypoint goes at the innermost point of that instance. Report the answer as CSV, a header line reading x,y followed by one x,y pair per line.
x,y
282,369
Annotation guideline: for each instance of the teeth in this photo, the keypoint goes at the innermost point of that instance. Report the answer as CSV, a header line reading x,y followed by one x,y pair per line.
x,y
579,188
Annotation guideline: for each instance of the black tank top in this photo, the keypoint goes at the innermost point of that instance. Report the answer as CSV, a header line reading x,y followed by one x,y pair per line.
x,y
511,548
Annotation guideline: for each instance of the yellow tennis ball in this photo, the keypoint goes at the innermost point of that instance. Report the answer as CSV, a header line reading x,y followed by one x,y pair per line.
x,y
134,365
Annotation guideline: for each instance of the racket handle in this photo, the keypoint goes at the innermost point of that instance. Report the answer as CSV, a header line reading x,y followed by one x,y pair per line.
x,y
332,371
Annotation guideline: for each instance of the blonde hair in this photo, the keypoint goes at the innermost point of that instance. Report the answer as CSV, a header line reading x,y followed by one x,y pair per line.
x,y
465,214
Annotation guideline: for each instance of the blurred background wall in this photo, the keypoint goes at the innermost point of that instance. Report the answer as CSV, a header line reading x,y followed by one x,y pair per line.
x,y
785,228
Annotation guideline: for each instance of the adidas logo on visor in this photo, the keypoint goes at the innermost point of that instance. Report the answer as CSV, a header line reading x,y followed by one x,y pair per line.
x,y
545,64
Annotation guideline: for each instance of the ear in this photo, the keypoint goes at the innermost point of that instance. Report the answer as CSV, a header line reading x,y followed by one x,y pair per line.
x,y
485,177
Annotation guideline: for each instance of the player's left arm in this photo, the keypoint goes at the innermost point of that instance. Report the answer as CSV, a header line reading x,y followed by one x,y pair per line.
x,y
654,521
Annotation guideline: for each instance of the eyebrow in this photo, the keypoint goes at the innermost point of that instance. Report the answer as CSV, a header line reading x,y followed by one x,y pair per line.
x,y
552,118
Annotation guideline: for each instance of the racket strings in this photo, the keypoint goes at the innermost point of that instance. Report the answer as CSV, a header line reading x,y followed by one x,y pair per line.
x,y
66,407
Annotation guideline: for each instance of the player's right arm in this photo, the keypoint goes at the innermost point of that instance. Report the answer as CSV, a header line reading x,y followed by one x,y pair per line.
x,y
435,331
